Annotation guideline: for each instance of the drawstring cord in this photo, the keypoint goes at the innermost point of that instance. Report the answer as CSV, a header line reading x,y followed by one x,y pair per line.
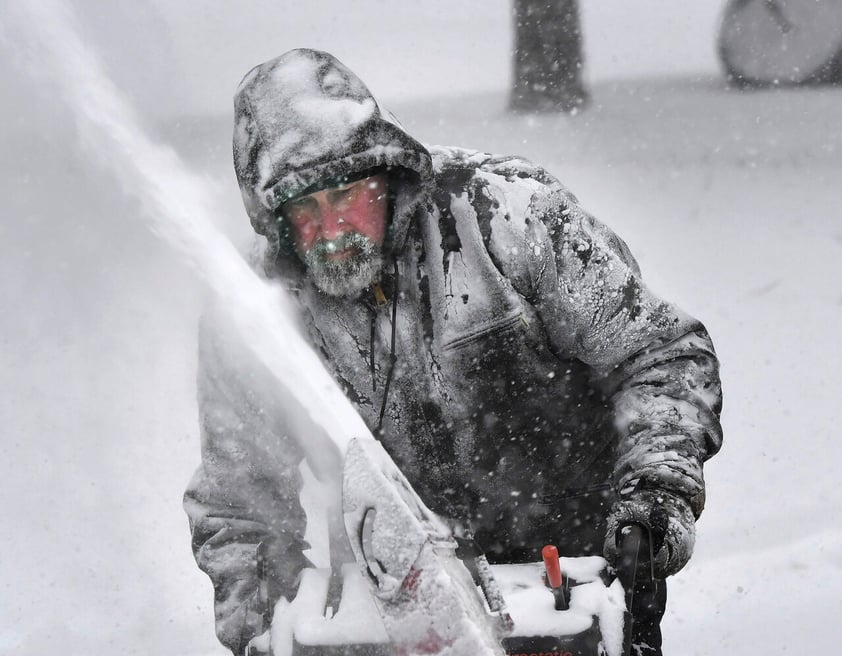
x,y
392,357
381,300
371,348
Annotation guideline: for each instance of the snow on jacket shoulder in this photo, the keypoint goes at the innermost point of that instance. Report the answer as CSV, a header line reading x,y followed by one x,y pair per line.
x,y
655,363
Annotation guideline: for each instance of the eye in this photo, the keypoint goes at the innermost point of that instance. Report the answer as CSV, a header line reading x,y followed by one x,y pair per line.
x,y
298,205
345,194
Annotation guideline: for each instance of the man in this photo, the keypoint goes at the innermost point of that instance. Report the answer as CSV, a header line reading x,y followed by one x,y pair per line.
x,y
496,338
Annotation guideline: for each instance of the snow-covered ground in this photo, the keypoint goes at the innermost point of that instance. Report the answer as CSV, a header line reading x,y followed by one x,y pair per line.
x,y
729,200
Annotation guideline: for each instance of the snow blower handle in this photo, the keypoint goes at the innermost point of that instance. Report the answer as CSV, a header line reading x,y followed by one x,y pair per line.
x,y
635,562
635,569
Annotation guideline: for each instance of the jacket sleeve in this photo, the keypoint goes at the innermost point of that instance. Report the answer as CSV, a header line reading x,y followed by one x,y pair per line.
x,y
243,500
655,363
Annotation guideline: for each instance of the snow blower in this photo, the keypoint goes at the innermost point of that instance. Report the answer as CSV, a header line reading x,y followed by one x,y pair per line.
x,y
417,589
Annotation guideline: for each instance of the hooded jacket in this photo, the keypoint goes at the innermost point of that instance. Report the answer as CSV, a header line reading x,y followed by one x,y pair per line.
x,y
521,374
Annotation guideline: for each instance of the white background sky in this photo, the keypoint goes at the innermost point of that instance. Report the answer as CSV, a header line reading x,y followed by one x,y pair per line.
x,y
730,201
401,49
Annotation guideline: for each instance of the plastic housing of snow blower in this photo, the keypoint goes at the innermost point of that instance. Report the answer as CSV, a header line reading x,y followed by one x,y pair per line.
x,y
592,624
418,587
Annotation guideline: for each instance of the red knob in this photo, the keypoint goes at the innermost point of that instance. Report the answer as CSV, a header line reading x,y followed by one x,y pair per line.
x,y
550,556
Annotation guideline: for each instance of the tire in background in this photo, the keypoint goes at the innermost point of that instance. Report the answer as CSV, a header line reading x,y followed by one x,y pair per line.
x,y
781,42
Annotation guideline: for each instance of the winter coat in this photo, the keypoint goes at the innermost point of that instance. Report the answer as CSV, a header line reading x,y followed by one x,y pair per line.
x,y
535,377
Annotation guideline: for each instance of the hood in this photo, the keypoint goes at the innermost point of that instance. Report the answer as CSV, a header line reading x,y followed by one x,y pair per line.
x,y
303,118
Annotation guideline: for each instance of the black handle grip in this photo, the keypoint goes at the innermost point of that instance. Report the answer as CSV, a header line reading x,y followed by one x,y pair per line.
x,y
635,562
635,571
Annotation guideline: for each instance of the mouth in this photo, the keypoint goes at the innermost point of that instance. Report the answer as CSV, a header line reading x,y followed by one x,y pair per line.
x,y
342,251
343,254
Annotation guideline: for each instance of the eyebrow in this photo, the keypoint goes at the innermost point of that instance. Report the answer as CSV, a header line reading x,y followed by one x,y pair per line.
x,y
343,188
299,200
347,185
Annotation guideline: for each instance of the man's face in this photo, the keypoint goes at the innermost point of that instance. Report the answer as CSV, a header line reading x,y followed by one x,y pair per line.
x,y
339,232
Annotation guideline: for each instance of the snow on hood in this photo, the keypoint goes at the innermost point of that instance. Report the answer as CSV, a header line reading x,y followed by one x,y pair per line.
x,y
303,118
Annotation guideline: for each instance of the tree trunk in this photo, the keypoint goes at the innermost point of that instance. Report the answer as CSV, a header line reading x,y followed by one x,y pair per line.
x,y
548,57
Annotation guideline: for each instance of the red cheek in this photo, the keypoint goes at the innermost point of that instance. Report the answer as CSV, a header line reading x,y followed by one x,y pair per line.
x,y
303,233
367,216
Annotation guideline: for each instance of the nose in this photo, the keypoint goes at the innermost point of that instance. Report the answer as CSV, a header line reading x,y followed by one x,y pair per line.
x,y
332,224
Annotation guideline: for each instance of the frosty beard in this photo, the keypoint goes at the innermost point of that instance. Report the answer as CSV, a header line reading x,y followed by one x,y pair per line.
x,y
348,275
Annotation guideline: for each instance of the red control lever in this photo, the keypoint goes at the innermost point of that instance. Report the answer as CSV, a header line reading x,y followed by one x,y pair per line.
x,y
550,555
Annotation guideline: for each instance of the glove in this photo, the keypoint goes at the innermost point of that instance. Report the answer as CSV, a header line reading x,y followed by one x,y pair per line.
x,y
670,521
260,645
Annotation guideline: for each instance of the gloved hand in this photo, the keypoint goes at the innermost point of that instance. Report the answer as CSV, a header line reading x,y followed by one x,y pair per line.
x,y
260,645
670,520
